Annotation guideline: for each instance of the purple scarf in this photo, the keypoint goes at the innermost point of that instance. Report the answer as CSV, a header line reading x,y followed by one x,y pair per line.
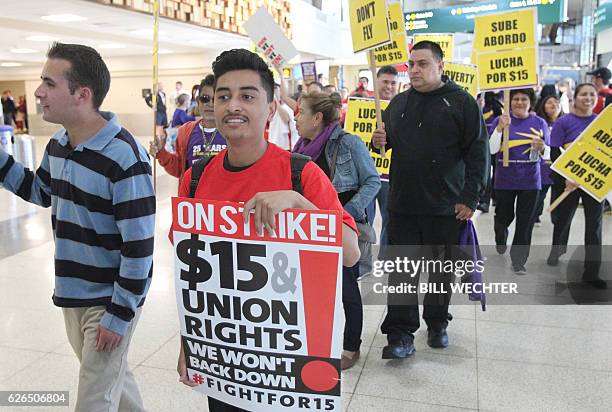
x,y
468,240
315,147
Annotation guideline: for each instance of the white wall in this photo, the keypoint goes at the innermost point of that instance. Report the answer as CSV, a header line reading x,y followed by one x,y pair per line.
x,y
129,75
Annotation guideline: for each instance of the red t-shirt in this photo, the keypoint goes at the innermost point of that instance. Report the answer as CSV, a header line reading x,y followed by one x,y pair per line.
x,y
271,172
601,98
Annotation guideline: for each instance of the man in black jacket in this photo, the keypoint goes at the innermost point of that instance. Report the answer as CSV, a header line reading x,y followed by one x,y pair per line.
x,y
161,117
439,165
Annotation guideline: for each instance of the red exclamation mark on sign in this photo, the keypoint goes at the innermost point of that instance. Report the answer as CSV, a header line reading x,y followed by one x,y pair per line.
x,y
319,276
332,228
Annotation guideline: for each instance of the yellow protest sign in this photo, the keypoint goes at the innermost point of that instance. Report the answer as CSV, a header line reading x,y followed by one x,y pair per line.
x,y
395,52
361,121
396,18
446,42
587,166
503,31
505,45
369,24
599,132
465,75
507,69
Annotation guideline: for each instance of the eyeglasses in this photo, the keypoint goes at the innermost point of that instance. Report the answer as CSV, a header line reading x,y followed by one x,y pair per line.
x,y
206,99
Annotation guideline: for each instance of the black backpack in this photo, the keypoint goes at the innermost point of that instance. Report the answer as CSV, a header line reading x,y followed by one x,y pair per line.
x,y
298,161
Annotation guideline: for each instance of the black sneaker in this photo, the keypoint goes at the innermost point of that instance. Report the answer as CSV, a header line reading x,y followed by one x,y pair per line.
x,y
553,260
597,283
501,249
519,269
437,338
399,348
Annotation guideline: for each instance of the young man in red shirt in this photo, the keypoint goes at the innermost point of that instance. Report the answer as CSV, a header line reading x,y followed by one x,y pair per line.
x,y
252,171
601,79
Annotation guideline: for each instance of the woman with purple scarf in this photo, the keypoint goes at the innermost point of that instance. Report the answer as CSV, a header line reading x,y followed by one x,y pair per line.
x,y
346,161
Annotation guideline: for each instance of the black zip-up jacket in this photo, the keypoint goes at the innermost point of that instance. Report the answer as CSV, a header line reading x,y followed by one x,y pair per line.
x,y
440,151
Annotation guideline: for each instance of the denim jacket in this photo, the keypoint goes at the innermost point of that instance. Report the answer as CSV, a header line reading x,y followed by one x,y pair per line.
x,y
354,171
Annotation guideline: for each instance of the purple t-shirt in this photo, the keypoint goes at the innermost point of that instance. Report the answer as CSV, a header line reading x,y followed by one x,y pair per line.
x,y
204,143
521,173
181,117
568,128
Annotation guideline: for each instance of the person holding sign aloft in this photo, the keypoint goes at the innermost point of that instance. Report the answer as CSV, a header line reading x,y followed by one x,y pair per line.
x,y
345,159
439,167
521,181
564,132
254,172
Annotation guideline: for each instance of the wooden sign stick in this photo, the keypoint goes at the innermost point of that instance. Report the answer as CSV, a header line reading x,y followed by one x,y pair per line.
x,y
558,200
376,96
506,135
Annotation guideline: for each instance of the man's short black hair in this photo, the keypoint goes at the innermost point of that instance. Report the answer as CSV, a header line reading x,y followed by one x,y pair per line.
x,y
386,70
242,59
87,69
435,48
208,81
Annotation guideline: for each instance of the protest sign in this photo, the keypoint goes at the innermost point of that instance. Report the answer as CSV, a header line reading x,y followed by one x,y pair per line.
x,y
260,315
507,69
503,31
269,39
309,72
396,17
588,160
361,121
446,42
588,167
395,52
599,132
369,24
465,75
505,45
506,49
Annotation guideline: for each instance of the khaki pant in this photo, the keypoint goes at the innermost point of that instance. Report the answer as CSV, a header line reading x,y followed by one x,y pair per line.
x,y
105,381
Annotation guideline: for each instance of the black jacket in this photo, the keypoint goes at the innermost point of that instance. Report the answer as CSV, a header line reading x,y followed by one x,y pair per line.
x,y
440,151
161,104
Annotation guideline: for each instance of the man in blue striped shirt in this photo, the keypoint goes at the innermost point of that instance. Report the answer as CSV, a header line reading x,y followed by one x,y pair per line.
x,y
97,180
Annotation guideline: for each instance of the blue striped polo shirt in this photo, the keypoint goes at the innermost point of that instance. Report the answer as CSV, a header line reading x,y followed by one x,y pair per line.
x,y
103,217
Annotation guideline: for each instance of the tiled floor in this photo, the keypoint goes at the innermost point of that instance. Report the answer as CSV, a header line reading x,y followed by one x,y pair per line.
x,y
510,357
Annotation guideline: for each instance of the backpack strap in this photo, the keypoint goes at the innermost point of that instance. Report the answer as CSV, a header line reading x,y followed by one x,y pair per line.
x,y
197,168
298,161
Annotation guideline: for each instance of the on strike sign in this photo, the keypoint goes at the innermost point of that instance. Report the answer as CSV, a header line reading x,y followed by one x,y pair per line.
x,y
260,314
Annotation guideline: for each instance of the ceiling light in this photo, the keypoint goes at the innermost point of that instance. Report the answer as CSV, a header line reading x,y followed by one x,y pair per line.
x,y
63,18
111,46
11,64
23,51
163,51
41,38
